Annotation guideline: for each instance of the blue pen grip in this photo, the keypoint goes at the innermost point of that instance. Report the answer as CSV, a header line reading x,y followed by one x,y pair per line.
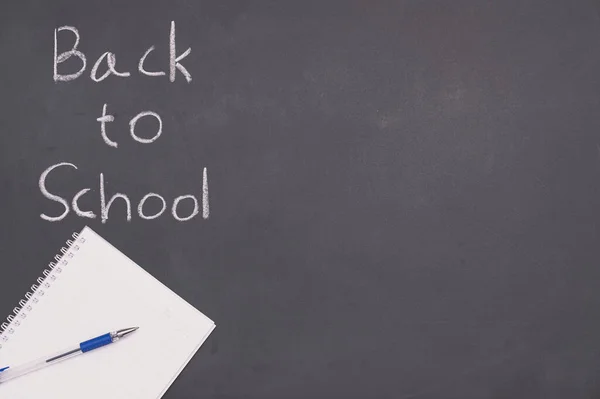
x,y
95,343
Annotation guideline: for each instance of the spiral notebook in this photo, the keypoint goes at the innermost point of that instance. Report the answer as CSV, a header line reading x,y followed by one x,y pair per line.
x,y
93,288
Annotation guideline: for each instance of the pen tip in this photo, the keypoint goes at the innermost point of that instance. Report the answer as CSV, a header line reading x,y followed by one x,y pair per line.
x,y
125,332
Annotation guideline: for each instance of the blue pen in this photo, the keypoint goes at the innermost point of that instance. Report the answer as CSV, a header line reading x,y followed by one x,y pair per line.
x,y
9,373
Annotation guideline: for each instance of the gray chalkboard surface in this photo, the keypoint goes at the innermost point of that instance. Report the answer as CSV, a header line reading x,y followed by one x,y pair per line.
x,y
396,199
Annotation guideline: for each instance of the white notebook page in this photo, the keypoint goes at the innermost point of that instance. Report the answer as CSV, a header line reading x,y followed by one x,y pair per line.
x,y
98,291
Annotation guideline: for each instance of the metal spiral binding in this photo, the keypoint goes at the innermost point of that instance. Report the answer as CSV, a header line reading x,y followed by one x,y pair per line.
x,y
44,282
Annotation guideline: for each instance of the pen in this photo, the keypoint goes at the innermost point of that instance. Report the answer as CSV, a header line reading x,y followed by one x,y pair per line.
x,y
8,373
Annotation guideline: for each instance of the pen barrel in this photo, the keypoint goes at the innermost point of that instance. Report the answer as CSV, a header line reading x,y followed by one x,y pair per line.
x,y
12,373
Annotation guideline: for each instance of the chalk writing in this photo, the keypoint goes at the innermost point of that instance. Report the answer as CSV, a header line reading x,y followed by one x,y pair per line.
x,y
66,55
143,201
118,200
105,206
134,121
111,62
143,60
103,120
175,61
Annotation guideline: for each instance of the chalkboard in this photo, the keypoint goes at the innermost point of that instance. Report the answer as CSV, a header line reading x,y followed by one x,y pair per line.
x,y
372,199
